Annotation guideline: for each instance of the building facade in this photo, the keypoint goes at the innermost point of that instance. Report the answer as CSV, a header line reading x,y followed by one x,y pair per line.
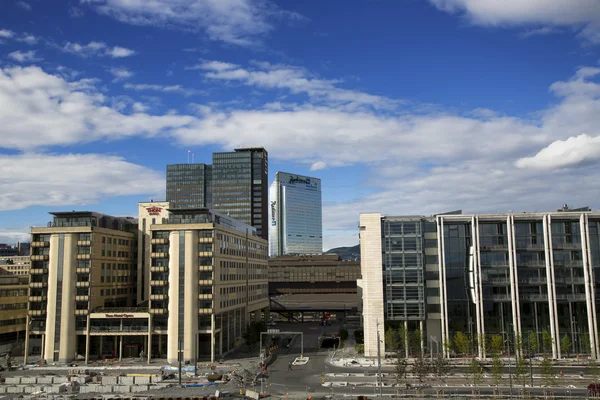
x,y
189,185
81,262
16,265
520,276
295,215
208,279
13,307
240,186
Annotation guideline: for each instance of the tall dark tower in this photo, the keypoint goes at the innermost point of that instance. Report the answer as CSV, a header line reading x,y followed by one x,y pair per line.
x,y
240,186
189,185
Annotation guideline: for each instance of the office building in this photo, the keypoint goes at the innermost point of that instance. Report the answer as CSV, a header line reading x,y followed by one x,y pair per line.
x,y
16,265
208,278
149,214
295,215
512,275
80,262
240,187
6,250
13,307
189,185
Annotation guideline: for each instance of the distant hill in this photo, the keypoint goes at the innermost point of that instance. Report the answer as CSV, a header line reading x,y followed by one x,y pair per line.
x,y
347,253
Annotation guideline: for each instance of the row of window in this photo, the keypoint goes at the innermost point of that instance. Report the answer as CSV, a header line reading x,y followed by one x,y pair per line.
x,y
13,306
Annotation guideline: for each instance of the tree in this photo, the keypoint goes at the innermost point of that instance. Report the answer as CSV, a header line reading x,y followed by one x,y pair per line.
x,y
546,341
475,371
402,339
360,348
344,334
534,345
392,340
547,372
420,368
441,367
359,336
585,344
521,371
447,343
401,369
461,343
497,365
415,341
481,339
496,345
565,344
519,345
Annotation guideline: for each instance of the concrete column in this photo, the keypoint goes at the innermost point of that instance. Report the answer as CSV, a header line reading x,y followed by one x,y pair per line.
x,y
445,335
68,338
406,340
422,337
48,353
212,338
550,284
190,299
372,277
26,352
87,340
43,345
149,338
477,283
173,320
590,295
120,348
514,283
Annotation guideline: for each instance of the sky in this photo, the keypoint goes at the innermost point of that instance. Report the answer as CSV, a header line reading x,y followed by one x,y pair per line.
x,y
400,107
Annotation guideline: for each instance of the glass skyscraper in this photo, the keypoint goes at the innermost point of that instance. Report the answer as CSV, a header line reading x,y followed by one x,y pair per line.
x,y
189,185
295,215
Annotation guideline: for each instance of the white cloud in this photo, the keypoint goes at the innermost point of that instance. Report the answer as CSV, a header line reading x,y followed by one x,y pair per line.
x,y
24,5
120,74
42,110
23,57
71,179
580,14
139,107
564,153
6,34
239,22
14,235
296,80
28,38
546,30
162,88
75,12
99,49
318,165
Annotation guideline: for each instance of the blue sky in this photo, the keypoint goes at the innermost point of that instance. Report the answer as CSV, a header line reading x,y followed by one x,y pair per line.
x,y
401,107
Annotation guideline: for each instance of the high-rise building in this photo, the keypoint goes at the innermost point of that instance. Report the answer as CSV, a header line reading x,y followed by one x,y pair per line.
x,y
13,306
189,185
80,262
240,186
295,215
523,277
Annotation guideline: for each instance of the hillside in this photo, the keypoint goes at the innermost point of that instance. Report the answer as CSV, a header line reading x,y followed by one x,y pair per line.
x,y
347,253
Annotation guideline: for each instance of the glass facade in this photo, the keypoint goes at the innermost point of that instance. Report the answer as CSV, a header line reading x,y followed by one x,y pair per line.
x,y
295,215
189,185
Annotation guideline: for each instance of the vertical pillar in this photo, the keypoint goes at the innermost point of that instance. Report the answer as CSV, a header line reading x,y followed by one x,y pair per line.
x,y
406,340
590,294
68,338
160,345
190,299
442,282
422,338
26,351
477,283
48,353
212,338
550,284
514,282
120,348
149,338
173,319
87,340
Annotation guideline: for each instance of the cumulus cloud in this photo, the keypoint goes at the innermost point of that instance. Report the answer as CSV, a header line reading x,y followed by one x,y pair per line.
x,y
238,22
120,74
162,88
24,5
23,57
583,15
6,34
28,38
318,165
100,49
71,179
564,153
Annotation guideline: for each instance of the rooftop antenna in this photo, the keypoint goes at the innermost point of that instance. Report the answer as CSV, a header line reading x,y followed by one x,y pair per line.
x,y
189,151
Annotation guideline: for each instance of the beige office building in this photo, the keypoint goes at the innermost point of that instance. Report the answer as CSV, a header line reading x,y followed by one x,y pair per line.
x,y
208,279
16,265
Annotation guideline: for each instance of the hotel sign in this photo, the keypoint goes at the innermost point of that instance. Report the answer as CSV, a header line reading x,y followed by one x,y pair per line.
x,y
118,316
302,180
274,213
154,210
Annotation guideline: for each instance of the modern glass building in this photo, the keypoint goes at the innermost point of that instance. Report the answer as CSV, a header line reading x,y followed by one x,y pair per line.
x,y
189,185
240,186
520,276
295,215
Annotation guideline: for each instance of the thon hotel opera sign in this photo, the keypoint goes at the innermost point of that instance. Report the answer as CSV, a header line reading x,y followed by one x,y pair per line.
x,y
153,210
119,315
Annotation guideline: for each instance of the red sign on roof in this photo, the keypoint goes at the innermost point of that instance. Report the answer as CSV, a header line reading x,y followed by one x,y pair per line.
x,y
154,210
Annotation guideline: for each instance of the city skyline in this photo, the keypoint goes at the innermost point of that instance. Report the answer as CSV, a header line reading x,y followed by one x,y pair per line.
x,y
430,105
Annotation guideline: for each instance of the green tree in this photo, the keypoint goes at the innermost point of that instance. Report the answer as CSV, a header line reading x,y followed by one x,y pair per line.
x,y
392,340
447,345
461,343
401,368
521,372
497,365
546,341
441,367
343,333
534,345
496,345
360,348
547,372
253,331
484,343
402,339
565,344
415,342
476,371
519,344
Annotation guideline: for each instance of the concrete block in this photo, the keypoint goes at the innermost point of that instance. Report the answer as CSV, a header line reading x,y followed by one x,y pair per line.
x,y
122,389
44,380
59,379
14,389
139,388
2,389
56,389
126,380
110,380
141,380
13,380
31,389
28,380
83,379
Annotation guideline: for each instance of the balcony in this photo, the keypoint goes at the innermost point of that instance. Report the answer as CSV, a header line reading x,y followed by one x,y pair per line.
x,y
534,281
40,257
82,298
576,297
205,240
534,297
86,243
159,283
83,270
497,281
205,282
159,241
567,246
208,296
158,311
40,244
38,271
494,247
158,268
159,255
36,313
38,284
205,311
158,296
82,284
500,297
81,312
84,256
532,264
34,299
570,263
205,268
205,254
571,280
